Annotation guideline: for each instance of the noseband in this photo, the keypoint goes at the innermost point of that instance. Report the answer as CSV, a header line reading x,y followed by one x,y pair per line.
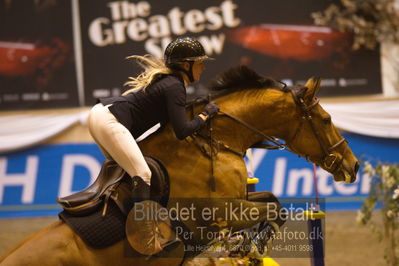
x,y
329,159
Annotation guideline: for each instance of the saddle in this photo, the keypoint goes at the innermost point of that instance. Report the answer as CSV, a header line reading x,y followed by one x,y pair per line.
x,y
113,182
116,193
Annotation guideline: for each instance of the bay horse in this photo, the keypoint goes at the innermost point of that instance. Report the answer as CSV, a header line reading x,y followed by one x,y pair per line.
x,y
252,107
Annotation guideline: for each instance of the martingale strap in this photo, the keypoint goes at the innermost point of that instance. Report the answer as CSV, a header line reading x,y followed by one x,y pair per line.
x,y
274,143
278,145
212,181
216,145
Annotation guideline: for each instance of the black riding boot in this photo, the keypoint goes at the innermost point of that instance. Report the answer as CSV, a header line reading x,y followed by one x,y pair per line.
x,y
150,234
141,190
145,238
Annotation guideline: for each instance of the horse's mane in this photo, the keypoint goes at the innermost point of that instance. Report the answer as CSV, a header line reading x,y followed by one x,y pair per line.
x,y
241,77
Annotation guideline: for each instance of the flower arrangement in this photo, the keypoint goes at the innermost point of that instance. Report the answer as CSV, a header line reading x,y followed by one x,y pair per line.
x,y
384,193
371,21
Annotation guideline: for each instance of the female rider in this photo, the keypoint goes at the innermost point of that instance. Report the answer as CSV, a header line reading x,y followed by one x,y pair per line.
x,y
157,95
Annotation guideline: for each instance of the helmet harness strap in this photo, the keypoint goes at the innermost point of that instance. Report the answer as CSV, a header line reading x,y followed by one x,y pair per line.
x,y
188,72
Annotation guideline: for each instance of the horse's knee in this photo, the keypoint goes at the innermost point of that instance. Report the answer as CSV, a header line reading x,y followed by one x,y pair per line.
x,y
273,204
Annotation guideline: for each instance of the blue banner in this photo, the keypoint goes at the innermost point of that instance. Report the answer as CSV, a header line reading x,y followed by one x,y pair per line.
x,y
290,176
31,180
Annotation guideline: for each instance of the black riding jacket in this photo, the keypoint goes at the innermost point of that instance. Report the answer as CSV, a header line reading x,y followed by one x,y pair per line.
x,y
162,101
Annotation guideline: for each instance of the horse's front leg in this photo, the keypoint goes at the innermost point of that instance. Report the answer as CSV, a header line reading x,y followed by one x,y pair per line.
x,y
220,219
233,214
238,214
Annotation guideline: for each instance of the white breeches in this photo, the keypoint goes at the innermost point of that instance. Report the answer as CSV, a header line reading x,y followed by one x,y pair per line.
x,y
117,143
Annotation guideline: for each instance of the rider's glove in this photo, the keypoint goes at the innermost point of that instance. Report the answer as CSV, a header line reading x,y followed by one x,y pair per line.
x,y
210,109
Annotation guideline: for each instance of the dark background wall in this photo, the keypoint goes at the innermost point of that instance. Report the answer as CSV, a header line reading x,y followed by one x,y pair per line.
x,y
46,62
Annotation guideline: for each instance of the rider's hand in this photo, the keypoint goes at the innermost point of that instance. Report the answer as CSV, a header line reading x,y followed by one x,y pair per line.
x,y
210,109
203,117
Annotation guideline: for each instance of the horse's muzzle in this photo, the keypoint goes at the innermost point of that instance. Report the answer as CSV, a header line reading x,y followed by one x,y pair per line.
x,y
350,176
347,173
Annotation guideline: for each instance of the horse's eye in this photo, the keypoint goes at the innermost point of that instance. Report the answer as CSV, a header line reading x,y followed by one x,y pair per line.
x,y
327,120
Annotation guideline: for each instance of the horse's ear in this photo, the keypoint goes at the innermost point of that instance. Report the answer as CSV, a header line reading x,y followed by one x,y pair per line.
x,y
313,86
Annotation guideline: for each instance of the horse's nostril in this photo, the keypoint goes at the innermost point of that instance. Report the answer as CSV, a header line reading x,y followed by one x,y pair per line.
x,y
356,167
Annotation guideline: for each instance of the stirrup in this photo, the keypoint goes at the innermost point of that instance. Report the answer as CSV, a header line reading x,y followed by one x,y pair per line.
x,y
88,200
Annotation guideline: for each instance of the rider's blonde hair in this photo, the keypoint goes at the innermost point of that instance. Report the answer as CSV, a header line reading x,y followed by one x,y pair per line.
x,y
152,68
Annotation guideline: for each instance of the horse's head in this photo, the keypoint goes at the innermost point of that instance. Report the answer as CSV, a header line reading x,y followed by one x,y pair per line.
x,y
292,114
316,138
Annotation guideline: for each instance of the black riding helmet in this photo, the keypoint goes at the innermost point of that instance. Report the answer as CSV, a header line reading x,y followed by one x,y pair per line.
x,y
184,49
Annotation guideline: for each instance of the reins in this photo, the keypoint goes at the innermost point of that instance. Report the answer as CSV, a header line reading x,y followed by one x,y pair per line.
x,y
276,142
269,142
273,143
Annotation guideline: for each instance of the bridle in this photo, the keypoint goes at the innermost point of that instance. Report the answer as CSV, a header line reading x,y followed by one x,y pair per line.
x,y
329,160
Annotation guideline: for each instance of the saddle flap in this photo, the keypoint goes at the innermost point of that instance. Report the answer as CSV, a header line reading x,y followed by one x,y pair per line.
x,y
109,183
159,179
109,175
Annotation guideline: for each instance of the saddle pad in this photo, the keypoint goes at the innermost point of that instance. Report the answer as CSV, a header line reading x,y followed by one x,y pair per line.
x,y
98,231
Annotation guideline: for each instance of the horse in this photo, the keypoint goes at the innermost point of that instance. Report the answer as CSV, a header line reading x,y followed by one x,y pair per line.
x,y
210,165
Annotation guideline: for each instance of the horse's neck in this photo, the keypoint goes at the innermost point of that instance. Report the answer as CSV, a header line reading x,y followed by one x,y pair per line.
x,y
267,110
